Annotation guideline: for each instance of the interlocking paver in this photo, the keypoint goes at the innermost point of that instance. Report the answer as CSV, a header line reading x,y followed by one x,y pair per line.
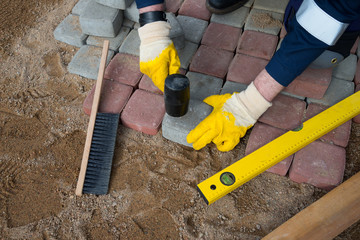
x,y
144,112
319,164
357,74
231,87
257,44
357,118
339,136
173,5
193,28
80,6
69,32
338,90
346,69
128,23
235,19
311,83
196,9
186,54
86,61
221,36
113,98
283,32
274,5
176,32
261,134
119,4
132,12
131,44
202,86
264,21
124,68
244,69
285,113
114,43
211,61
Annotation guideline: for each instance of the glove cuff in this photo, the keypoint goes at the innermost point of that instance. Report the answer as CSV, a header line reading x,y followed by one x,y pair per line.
x,y
153,16
154,31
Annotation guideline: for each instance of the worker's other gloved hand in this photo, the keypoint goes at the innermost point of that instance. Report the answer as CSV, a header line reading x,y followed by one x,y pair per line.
x,y
232,116
158,56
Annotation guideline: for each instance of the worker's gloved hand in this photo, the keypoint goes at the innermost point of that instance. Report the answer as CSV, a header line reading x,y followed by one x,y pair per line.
x,y
158,56
232,116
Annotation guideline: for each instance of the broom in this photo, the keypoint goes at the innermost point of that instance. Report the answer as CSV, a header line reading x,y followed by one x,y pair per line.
x,y
100,141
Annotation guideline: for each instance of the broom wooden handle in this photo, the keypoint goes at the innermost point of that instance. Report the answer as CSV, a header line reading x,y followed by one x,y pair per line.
x,y
94,110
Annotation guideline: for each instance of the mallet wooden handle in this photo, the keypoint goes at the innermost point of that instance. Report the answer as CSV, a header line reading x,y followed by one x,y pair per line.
x,y
325,218
94,110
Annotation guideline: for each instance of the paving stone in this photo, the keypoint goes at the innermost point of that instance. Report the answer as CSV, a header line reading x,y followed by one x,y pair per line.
x,y
339,136
176,32
283,32
115,42
69,32
128,23
264,21
221,36
231,87
144,112
338,90
257,44
196,9
136,26
193,28
357,118
186,54
203,86
357,74
211,61
86,61
119,4
124,68
294,96
285,113
261,134
177,128
131,44
132,12
244,69
311,83
113,98
278,6
99,20
355,46
319,164
346,69
173,5
249,3
80,6
235,18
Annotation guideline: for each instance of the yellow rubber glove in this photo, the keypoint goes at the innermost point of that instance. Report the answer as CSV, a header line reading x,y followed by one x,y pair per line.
x,y
158,56
232,116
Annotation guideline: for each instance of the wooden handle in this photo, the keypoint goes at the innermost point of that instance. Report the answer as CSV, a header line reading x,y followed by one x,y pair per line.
x,y
325,218
94,110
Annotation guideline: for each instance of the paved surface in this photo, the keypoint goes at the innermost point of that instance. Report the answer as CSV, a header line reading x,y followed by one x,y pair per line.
x,y
219,54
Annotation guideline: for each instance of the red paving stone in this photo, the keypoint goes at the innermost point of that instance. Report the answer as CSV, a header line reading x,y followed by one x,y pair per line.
x,y
262,134
311,83
285,113
221,36
144,112
196,9
257,44
113,98
173,5
357,118
283,32
211,61
319,164
124,68
339,136
355,46
357,74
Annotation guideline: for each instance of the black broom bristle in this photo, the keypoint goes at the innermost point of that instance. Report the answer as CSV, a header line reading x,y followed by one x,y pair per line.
x,y
102,148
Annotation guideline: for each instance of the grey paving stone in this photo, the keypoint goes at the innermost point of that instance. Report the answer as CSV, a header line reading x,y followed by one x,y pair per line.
x,y
69,32
193,28
264,21
176,32
177,128
338,90
131,44
293,95
115,42
128,23
278,6
231,87
132,13
80,6
249,3
186,54
203,86
346,69
137,26
102,21
119,4
235,19
86,61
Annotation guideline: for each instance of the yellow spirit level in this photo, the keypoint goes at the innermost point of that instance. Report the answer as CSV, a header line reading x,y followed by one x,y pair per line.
x,y
272,153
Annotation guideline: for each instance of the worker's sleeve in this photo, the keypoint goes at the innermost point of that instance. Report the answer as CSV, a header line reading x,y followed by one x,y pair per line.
x,y
146,3
318,24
